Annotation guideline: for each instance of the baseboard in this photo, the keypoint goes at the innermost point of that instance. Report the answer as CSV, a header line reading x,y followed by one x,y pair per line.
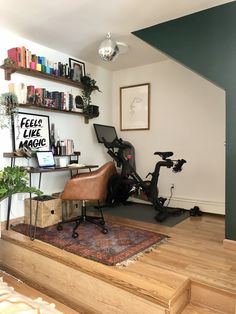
x,y
205,206
229,244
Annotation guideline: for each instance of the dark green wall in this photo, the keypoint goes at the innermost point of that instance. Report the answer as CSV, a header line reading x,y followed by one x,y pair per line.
x,y
206,43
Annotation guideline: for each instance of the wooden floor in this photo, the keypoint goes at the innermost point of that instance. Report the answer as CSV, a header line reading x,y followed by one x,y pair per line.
x,y
192,265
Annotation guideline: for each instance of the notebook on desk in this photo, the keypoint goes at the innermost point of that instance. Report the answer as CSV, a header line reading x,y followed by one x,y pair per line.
x,y
45,159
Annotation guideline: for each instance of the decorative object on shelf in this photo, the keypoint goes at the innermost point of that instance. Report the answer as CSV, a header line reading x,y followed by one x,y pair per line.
x,y
88,86
79,104
77,69
8,62
134,107
110,49
31,130
92,111
8,106
15,180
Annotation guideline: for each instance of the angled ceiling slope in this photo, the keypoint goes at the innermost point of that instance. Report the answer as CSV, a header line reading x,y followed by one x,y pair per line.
x,y
201,41
206,43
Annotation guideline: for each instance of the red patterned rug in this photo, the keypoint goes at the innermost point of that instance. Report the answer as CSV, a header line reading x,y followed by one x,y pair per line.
x,y
120,244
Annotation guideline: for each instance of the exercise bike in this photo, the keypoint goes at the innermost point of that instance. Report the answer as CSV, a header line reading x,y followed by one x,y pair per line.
x,y
128,182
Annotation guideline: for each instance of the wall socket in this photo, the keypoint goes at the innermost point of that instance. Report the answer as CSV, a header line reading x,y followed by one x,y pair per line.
x,y
172,186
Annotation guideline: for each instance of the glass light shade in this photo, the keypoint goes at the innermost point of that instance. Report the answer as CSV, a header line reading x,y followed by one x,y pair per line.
x,y
108,49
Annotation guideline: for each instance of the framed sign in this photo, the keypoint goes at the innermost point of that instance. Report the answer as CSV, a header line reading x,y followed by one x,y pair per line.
x,y
31,130
134,107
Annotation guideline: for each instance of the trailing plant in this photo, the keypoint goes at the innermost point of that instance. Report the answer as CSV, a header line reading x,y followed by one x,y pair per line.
x,y
8,62
15,180
88,86
8,106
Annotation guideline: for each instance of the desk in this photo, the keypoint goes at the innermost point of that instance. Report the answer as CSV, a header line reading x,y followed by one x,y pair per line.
x,y
40,171
13,158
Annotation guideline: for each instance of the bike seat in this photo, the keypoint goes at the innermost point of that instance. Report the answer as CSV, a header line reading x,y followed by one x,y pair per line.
x,y
164,155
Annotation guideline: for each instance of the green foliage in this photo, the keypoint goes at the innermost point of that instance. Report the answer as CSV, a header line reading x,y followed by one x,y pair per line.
x,y
8,106
15,180
88,86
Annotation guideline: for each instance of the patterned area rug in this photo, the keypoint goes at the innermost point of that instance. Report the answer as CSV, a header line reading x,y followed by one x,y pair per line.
x,y
120,244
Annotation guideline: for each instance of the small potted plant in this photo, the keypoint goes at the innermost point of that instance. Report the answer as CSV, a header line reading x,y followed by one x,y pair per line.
x,y
88,86
15,180
8,106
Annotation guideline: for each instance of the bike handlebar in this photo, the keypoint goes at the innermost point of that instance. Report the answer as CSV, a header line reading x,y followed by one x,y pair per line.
x,y
116,143
178,166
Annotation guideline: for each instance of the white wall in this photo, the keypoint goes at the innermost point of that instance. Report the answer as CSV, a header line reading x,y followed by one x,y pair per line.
x,y
187,117
68,126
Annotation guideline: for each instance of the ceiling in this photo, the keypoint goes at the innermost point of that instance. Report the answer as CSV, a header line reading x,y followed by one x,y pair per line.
x,y
77,27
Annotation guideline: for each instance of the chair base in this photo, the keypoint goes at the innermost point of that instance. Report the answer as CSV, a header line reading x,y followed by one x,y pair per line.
x,y
99,221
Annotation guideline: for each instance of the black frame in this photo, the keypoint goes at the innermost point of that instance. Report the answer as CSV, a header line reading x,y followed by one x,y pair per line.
x,y
18,132
80,63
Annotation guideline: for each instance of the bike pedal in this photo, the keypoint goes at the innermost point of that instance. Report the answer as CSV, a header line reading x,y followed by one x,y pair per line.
x,y
195,211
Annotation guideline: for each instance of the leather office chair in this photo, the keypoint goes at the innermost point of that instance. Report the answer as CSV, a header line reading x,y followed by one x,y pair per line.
x,y
91,186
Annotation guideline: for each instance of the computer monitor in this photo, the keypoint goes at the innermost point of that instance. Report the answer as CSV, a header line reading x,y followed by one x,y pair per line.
x,y
105,131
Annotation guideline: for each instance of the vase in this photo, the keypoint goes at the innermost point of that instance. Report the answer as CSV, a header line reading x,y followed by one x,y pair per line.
x,y
91,110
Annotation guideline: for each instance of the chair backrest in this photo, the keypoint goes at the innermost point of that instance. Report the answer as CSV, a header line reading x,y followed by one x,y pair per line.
x,y
90,185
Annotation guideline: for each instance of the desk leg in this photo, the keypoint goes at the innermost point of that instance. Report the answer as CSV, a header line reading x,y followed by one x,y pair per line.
x,y
30,224
32,236
9,199
8,211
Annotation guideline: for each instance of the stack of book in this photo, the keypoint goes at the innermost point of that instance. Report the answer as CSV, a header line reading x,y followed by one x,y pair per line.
x,y
69,146
42,97
24,58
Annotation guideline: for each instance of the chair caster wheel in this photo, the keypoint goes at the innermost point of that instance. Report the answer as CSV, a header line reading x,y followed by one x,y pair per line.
x,y
105,231
59,227
75,235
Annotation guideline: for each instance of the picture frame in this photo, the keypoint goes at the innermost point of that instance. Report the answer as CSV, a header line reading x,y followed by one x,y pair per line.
x,y
77,69
31,130
135,107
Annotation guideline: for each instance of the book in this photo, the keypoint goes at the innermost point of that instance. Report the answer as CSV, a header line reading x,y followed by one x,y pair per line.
x,y
30,94
28,58
69,146
76,165
38,96
13,54
23,57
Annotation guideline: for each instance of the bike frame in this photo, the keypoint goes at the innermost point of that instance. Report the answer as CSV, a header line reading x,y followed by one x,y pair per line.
x,y
150,189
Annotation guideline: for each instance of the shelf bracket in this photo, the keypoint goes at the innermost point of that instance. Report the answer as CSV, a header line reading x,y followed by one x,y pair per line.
x,y
8,73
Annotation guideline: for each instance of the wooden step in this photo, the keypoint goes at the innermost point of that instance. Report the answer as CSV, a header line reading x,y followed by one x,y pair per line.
x,y
194,309
213,298
91,286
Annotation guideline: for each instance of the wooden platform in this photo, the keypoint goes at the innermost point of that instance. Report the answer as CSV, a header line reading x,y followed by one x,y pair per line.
x,y
191,273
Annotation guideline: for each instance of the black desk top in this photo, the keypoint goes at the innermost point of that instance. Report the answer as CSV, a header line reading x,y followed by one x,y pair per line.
x,y
13,155
57,169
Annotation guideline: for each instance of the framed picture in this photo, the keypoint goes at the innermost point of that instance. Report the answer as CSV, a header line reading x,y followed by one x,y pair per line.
x,y
32,130
77,69
134,107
